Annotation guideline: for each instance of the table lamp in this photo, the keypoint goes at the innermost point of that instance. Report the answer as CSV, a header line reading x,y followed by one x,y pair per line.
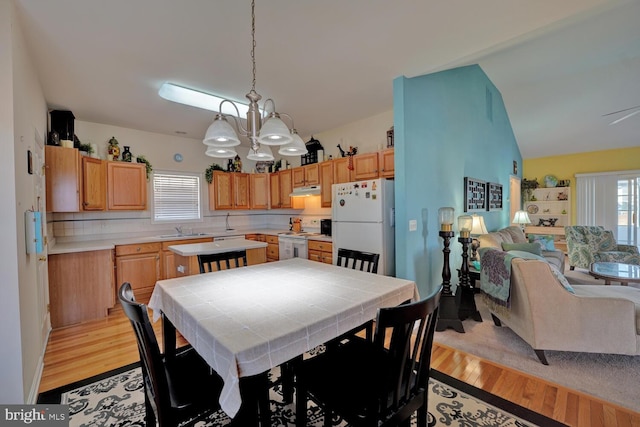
x,y
521,218
477,229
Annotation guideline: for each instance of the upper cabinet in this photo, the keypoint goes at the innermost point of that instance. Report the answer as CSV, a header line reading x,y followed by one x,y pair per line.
x,y
126,186
365,166
77,183
259,190
229,190
341,171
62,176
386,163
94,184
326,180
307,175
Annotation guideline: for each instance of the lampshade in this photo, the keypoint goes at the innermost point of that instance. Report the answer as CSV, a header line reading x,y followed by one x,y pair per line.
x,y
262,154
295,147
221,134
521,217
274,131
478,226
221,152
445,218
464,225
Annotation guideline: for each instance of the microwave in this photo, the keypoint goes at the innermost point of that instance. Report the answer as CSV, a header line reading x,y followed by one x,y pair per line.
x,y
325,227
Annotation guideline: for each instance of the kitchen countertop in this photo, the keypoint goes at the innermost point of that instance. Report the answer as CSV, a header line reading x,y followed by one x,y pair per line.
x,y
216,247
100,243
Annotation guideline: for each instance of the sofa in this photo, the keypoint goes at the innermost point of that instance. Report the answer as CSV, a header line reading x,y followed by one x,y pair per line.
x,y
588,244
550,314
515,237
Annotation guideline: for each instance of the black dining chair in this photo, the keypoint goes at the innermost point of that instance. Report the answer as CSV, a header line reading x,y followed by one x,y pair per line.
x,y
177,389
228,259
375,383
363,261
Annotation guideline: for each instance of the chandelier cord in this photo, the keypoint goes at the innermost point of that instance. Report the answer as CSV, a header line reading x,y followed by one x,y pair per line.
x,y
253,42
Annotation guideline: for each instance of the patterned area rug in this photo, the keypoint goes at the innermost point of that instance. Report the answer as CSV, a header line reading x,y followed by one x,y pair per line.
x,y
116,398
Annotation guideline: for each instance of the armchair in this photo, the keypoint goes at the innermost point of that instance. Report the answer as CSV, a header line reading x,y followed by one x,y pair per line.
x,y
588,244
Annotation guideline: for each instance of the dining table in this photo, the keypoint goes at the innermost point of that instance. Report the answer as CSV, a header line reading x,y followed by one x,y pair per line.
x,y
248,320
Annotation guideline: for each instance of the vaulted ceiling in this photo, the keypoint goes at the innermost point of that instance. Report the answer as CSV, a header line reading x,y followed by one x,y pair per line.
x,y
560,66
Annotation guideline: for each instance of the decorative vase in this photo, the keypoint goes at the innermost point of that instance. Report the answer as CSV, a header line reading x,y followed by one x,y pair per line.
x,y
126,154
114,149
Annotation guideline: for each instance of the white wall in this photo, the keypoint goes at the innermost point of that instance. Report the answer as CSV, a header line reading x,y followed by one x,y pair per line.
x,y
23,303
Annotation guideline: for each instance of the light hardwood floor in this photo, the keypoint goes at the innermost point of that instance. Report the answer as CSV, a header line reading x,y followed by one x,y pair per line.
x,y
81,351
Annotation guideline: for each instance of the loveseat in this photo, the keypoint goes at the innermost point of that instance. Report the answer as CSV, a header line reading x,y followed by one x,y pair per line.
x,y
587,244
514,236
581,318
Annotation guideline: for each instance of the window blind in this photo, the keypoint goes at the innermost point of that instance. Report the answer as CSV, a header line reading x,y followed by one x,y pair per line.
x,y
176,197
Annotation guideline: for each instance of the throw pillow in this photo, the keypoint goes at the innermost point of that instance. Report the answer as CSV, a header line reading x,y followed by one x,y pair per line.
x,y
534,248
545,242
527,255
561,279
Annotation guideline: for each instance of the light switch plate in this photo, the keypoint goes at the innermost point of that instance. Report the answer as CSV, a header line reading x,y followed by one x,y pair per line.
x,y
413,225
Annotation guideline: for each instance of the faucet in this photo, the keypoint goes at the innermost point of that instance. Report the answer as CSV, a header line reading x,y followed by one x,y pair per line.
x,y
226,223
179,229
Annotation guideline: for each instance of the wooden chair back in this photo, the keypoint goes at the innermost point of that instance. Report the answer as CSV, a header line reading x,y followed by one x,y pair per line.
x,y
363,261
227,260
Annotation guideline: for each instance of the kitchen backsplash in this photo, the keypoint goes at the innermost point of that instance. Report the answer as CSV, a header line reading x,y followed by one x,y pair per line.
x,y
66,227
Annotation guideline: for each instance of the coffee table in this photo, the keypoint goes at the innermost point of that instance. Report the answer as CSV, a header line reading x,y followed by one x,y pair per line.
x,y
618,272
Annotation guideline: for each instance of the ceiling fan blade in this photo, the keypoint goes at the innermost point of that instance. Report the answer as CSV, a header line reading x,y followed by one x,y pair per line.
x,y
621,111
624,117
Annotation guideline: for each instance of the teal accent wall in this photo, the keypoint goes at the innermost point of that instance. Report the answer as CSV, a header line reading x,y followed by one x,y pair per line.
x,y
447,126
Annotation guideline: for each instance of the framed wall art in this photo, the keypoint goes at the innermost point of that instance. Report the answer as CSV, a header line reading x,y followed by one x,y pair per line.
x,y
475,195
494,196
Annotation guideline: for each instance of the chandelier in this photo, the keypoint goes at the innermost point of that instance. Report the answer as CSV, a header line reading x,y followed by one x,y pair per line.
x,y
221,137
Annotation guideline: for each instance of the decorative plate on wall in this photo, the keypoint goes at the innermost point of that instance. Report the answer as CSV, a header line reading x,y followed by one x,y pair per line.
x,y
532,209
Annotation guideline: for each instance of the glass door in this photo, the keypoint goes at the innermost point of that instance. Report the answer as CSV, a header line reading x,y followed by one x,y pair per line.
x,y
628,204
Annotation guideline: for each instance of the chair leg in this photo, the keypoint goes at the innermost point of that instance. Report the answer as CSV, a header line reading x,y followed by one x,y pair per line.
x,y
541,356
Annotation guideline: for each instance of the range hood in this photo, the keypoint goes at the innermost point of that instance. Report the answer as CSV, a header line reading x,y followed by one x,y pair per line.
x,y
313,190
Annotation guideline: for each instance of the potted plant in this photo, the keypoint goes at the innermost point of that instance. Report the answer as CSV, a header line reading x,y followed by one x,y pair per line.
x,y
142,159
208,174
87,148
527,186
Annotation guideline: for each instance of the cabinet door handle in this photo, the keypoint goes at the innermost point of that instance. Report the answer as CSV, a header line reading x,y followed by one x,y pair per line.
x,y
138,249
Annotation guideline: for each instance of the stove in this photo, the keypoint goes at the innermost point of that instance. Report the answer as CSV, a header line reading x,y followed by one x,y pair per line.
x,y
292,244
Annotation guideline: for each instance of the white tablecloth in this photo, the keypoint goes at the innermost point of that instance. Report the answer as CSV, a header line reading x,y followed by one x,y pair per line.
x,y
247,320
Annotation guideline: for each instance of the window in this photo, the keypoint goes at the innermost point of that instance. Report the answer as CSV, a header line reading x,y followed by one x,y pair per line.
x,y
176,197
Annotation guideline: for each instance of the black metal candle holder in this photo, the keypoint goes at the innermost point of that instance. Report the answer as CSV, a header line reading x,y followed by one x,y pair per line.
x,y
465,294
448,314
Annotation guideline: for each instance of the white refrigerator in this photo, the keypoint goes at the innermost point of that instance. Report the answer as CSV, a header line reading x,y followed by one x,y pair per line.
x,y
363,218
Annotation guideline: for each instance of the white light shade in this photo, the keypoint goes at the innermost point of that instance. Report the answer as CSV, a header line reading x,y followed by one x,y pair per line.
x,y
521,217
221,134
262,154
195,98
221,152
295,147
478,226
445,218
274,132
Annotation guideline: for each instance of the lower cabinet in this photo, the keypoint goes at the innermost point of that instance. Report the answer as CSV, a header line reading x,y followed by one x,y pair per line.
x,y
81,286
139,265
168,257
273,248
321,251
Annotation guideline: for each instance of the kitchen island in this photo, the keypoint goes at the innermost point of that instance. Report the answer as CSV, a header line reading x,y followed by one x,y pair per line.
x,y
186,256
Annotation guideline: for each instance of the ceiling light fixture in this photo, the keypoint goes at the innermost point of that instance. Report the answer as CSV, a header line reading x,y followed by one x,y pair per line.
x,y
261,133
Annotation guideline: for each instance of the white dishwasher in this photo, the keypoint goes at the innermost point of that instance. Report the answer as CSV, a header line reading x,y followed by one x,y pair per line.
x,y
293,246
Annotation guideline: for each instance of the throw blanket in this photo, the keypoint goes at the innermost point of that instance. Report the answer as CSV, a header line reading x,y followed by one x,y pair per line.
x,y
495,276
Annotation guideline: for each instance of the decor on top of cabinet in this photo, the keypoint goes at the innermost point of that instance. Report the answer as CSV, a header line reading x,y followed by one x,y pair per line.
x,y
113,149
352,152
390,137
527,186
142,159
312,146
264,166
208,174
126,154
86,148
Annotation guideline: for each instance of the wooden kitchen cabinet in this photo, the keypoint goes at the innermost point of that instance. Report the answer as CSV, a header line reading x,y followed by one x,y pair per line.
x,y
274,190
63,179
273,247
341,171
305,176
229,190
326,180
320,251
168,257
286,187
126,186
94,184
259,190
386,161
81,286
139,264
365,166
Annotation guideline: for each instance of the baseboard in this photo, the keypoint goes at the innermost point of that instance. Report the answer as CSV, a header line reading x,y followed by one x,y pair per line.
x,y
37,378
